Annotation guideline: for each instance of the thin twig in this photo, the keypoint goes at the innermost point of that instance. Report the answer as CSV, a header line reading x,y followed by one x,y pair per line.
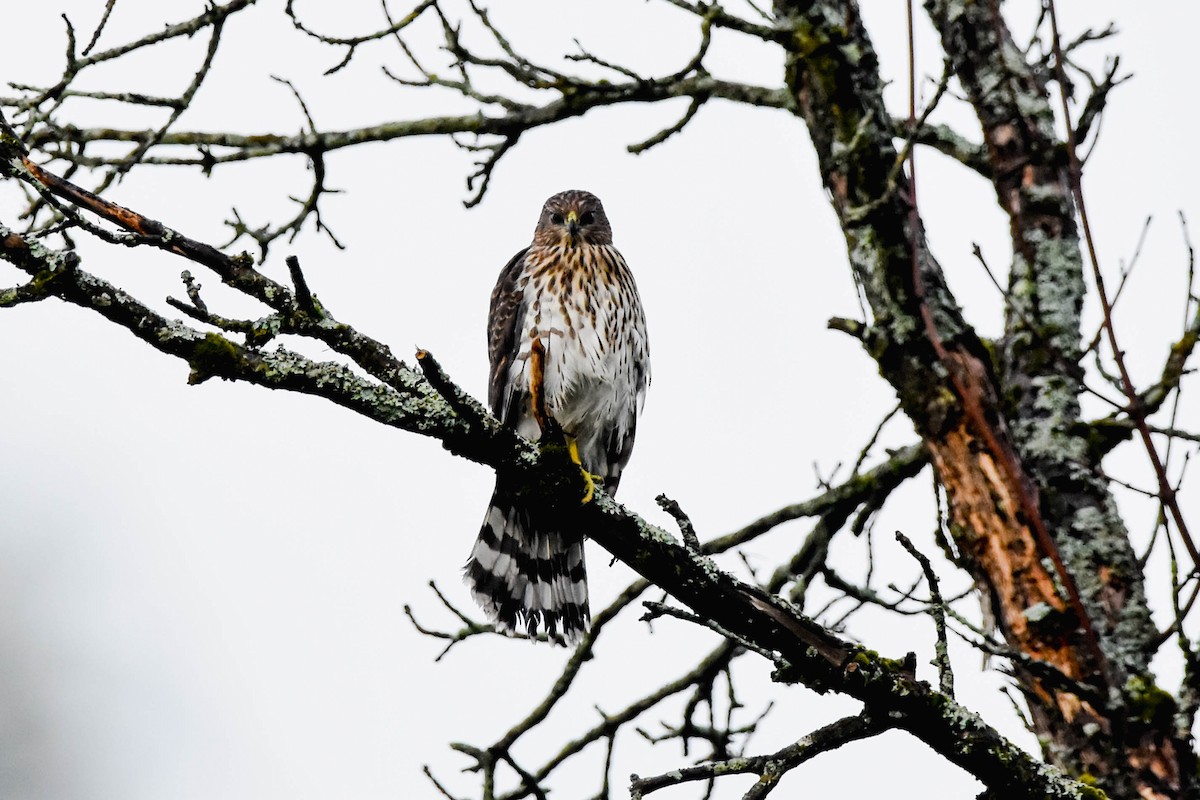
x,y
681,519
769,768
304,298
937,609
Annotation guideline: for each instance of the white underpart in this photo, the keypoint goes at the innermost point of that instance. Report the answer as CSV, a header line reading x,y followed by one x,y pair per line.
x,y
590,383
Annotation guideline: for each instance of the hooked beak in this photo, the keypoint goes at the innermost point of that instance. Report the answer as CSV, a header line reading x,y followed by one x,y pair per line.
x,y
573,225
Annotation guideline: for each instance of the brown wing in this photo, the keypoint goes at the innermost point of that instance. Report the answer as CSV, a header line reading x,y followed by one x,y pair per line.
x,y
505,318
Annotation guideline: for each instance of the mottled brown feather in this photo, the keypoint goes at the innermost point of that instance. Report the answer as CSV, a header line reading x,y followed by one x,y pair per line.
x,y
505,318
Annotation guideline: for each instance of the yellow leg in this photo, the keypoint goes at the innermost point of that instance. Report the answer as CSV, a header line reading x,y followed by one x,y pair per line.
x,y
592,479
537,396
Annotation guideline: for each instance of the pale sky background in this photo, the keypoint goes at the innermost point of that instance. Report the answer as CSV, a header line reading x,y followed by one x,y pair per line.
x,y
201,588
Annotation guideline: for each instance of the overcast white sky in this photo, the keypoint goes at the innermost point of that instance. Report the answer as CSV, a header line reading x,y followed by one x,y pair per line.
x,y
201,588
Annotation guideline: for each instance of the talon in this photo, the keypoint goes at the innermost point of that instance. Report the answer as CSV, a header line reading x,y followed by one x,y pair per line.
x,y
590,478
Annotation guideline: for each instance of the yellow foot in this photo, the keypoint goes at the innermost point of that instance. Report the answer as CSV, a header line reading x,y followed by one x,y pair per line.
x,y
591,487
590,477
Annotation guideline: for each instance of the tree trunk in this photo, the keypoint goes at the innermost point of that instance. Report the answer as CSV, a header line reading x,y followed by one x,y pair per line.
x,y
1030,513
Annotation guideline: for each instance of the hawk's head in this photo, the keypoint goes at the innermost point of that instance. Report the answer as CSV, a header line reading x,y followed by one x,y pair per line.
x,y
572,218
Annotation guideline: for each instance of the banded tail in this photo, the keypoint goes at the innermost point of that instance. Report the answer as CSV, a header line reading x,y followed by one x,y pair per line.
x,y
522,572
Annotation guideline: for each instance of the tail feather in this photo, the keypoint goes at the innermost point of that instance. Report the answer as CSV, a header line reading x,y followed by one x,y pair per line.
x,y
529,574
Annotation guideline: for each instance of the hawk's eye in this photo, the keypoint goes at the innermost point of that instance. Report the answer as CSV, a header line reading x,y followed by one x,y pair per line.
x,y
588,218
556,218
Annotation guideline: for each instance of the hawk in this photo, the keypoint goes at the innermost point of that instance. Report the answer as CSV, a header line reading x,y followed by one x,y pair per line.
x,y
566,340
